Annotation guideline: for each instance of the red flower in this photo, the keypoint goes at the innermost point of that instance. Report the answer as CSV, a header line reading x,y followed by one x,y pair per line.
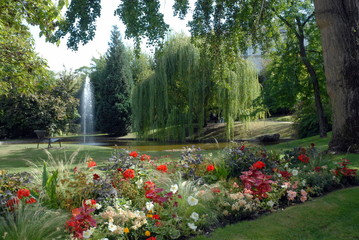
x,y
129,173
318,169
119,169
157,217
242,148
216,190
303,158
31,200
162,168
149,185
96,177
91,164
133,154
145,157
285,174
23,193
258,165
151,238
89,202
11,202
210,168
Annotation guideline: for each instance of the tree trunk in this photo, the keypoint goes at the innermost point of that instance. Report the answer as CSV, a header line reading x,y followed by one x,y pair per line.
x,y
338,21
323,123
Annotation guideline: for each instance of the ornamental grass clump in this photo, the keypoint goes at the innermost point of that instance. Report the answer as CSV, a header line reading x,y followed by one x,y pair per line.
x,y
32,221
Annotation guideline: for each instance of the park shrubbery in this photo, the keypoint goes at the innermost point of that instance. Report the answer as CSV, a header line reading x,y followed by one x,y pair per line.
x,y
136,197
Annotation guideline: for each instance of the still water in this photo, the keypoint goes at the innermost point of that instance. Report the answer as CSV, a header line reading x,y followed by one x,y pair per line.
x,y
157,146
162,146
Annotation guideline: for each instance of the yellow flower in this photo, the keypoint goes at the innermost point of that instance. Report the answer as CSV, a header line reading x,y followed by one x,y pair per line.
x,y
126,230
147,233
149,215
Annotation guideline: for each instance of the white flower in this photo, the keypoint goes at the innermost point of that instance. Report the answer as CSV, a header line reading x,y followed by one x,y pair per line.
x,y
194,216
192,226
192,201
112,227
104,238
279,175
149,206
295,172
88,202
270,203
174,188
304,182
87,234
139,183
98,206
284,186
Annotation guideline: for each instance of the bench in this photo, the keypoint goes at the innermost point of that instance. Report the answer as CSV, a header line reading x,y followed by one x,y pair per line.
x,y
44,136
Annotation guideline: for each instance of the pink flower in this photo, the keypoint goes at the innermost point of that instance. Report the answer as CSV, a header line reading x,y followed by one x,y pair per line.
x,y
291,195
303,198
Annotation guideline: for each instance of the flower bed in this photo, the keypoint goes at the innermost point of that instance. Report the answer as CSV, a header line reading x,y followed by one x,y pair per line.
x,y
136,197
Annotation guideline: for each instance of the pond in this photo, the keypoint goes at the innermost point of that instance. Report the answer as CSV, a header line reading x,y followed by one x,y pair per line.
x,y
161,146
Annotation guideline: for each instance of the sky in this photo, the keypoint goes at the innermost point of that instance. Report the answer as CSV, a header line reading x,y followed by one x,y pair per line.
x,y
60,58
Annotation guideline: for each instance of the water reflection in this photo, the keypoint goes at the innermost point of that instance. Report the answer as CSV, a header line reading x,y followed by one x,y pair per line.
x,y
161,146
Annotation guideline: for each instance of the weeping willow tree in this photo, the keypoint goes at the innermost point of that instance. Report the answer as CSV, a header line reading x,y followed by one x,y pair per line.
x,y
174,102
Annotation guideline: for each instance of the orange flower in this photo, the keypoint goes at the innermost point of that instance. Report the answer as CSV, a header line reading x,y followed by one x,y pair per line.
x,y
31,200
91,164
133,154
145,157
129,173
162,168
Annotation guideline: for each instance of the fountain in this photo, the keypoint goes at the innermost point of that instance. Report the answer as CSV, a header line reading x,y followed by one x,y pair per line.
x,y
87,106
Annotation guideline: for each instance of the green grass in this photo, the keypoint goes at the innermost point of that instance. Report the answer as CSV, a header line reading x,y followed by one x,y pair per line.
x,y
334,216
14,157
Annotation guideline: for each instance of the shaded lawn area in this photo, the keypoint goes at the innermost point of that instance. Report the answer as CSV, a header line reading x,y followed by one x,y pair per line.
x,y
321,144
15,157
333,216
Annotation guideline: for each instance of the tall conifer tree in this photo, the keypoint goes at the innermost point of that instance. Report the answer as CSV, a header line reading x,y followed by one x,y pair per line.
x,y
113,107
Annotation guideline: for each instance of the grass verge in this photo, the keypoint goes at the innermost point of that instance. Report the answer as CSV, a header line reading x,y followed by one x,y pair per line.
x,y
334,216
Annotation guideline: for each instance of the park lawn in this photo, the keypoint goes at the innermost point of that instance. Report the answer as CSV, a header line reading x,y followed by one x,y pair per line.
x,y
16,157
333,216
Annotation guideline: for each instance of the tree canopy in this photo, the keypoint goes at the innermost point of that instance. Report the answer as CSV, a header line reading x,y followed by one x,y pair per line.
x,y
187,85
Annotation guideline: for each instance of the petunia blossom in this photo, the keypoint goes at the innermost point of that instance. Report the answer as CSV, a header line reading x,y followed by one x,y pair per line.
x,y
195,216
174,188
192,201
